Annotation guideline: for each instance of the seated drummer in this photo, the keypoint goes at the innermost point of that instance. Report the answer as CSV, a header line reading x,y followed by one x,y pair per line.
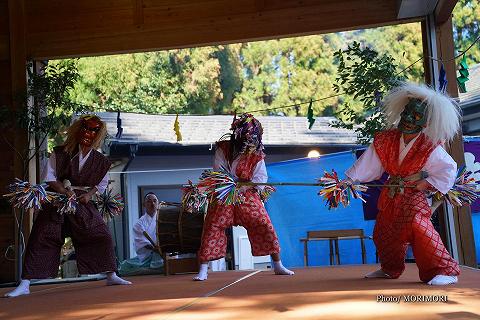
x,y
147,223
147,255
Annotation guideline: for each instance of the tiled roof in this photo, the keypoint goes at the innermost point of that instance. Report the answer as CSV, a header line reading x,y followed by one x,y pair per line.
x,y
198,130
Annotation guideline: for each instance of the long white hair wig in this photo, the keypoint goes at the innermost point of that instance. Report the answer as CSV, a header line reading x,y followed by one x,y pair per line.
x,y
443,114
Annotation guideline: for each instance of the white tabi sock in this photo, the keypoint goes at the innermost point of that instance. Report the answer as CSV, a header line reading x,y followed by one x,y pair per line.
x,y
202,273
377,274
281,270
113,279
22,289
441,280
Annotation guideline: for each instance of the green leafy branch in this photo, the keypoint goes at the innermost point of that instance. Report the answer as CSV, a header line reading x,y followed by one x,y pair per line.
x,y
363,77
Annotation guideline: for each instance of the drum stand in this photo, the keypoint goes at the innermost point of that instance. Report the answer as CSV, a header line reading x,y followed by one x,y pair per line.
x,y
179,265
174,265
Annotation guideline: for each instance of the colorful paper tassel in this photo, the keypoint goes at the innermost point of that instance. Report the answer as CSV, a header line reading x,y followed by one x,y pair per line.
x,y
464,191
66,205
193,200
25,195
220,185
109,205
266,192
336,192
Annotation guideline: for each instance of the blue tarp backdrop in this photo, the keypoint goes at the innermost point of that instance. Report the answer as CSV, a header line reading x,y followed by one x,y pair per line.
x,y
295,210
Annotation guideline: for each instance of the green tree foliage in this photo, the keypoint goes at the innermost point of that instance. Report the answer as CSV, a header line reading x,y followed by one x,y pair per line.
x,y
242,77
287,71
371,65
466,26
401,42
230,78
132,82
155,82
216,80
199,72
258,60
363,77
253,76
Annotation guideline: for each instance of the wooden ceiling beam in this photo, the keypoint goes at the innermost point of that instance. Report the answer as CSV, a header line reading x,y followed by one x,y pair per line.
x,y
415,8
444,10
4,31
57,29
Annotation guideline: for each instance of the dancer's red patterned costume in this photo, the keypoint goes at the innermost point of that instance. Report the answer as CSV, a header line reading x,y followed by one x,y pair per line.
x,y
242,156
405,217
419,120
251,214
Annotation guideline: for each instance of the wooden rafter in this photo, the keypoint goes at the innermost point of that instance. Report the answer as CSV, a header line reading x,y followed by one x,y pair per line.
x,y
444,10
91,27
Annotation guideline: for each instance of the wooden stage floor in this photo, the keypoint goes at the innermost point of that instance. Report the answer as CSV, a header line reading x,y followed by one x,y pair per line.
x,y
331,293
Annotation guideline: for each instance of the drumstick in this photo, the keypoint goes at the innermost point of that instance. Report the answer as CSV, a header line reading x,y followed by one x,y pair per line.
x,y
149,238
154,245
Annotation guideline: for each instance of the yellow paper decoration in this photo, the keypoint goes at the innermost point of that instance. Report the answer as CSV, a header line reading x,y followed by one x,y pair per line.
x,y
176,128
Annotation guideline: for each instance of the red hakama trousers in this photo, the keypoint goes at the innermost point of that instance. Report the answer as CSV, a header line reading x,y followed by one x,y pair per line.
x,y
406,220
252,215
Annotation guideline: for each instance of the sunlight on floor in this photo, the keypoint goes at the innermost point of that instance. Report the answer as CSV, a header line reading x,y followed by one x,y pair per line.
x,y
313,305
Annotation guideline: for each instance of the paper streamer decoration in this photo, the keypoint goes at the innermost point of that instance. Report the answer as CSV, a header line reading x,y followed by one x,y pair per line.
x,y
176,128
310,118
463,77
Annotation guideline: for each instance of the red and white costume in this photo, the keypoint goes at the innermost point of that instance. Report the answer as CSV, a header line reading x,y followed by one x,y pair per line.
x,y
251,214
404,217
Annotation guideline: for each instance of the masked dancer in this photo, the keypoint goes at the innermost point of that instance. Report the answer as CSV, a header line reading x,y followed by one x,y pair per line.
x,y
78,170
419,121
241,154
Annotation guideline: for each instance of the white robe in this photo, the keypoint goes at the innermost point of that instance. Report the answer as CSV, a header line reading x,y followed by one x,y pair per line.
x,y
441,168
148,224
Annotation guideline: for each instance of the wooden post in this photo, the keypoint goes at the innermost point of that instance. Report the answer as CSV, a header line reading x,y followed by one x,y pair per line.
x,y
18,58
7,221
462,216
